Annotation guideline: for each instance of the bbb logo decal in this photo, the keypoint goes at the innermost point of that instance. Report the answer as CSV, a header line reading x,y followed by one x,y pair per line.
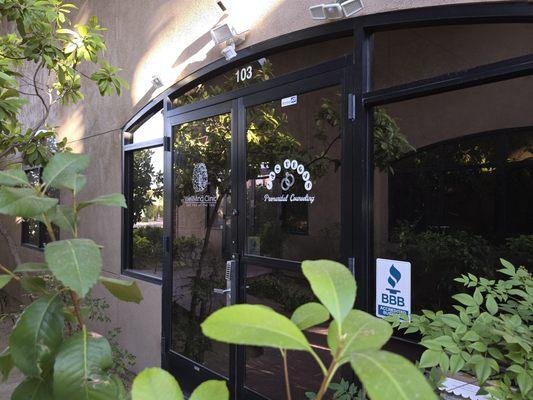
x,y
393,288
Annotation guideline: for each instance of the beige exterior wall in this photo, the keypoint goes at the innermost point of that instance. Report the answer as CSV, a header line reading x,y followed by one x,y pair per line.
x,y
168,38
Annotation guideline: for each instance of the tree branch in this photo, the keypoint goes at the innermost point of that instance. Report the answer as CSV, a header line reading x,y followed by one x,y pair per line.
x,y
11,245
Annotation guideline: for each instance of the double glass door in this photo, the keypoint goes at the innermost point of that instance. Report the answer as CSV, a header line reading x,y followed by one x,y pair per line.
x,y
256,190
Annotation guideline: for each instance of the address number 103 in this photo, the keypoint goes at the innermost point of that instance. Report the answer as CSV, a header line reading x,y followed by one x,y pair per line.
x,y
244,73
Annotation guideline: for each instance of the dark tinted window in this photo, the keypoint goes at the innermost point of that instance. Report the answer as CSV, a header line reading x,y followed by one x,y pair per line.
x,y
453,185
406,55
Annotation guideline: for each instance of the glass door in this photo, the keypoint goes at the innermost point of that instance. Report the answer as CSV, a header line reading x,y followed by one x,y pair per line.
x,y
294,173
256,189
202,262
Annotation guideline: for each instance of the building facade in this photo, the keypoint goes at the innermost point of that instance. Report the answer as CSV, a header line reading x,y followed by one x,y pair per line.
x,y
404,132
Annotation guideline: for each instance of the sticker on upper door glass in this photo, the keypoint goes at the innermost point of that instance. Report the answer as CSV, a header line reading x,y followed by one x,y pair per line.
x,y
289,101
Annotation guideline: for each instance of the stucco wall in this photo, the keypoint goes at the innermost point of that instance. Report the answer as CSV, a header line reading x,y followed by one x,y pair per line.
x,y
169,38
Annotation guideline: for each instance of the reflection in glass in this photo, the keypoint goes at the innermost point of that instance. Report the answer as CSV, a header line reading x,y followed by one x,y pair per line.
x,y
146,210
202,226
406,55
283,291
293,177
266,68
34,233
152,128
461,197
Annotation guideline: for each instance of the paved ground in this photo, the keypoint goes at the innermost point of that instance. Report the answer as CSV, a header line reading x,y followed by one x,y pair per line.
x,y
6,388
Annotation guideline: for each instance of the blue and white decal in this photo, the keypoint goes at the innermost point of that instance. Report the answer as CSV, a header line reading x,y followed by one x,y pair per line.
x,y
393,288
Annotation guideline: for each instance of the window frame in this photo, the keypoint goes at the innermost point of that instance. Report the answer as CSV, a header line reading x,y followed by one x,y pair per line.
x,y
362,262
127,228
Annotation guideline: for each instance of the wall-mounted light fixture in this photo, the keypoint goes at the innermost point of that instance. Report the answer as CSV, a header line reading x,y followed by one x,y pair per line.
x,y
156,81
226,36
340,9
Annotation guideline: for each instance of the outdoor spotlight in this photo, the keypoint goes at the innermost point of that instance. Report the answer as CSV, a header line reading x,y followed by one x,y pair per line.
x,y
351,7
226,37
333,11
337,10
317,12
223,32
229,51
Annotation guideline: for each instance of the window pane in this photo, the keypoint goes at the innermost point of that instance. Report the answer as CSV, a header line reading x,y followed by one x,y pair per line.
x,y
30,232
452,185
153,128
406,55
293,177
269,67
283,291
146,210
202,224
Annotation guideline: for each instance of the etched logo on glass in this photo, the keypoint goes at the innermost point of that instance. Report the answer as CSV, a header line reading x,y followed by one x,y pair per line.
x,y
199,178
288,172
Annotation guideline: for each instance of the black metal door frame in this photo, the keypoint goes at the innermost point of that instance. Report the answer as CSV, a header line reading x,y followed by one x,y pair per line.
x,y
189,372
357,151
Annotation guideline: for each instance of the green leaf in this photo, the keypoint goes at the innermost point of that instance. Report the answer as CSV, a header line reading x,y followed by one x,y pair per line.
x,y
430,358
387,376
22,202
31,267
465,299
14,177
4,280
63,217
216,390
81,370
111,200
482,370
525,383
362,331
155,384
63,169
33,284
309,315
33,389
456,363
333,284
37,336
6,364
122,290
492,306
77,263
76,183
255,325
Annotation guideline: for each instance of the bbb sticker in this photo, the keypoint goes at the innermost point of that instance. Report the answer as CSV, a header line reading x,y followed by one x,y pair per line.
x,y
289,101
393,288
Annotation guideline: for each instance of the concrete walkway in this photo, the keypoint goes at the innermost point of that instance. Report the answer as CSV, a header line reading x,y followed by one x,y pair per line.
x,y
6,388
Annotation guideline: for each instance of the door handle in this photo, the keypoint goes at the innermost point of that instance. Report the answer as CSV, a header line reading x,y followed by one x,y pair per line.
x,y
221,291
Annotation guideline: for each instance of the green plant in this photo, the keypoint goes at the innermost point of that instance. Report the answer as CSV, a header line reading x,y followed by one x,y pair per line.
x,y
354,338
50,343
488,336
343,390
389,142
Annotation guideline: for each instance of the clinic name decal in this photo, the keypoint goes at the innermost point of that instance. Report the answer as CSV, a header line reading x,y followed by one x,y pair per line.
x,y
287,176
200,180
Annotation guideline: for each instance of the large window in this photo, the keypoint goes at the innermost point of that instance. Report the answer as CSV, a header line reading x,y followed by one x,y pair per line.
x,y
452,185
144,194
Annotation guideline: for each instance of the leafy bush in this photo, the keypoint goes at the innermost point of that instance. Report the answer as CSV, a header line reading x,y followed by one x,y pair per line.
x,y
50,343
488,336
354,338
